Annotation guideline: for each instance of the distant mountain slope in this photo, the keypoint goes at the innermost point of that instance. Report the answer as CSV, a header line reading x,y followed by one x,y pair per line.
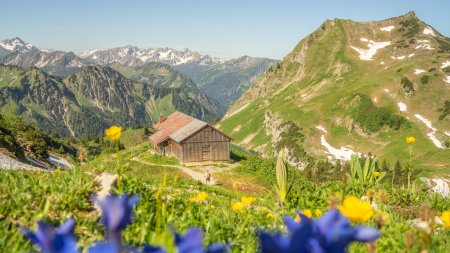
x,y
91,100
226,81
353,87
134,56
19,53
222,80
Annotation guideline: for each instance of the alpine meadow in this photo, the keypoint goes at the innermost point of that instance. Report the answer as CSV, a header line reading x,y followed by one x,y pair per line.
x,y
335,141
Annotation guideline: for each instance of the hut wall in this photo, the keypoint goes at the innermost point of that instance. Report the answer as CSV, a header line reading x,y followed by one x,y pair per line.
x,y
206,145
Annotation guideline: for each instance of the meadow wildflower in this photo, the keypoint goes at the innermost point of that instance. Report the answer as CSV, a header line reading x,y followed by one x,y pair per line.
x,y
445,217
355,209
248,200
114,133
270,215
192,241
116,214
307,213
200,197
376,173
331,233
410,139
48,239
238,206
318,213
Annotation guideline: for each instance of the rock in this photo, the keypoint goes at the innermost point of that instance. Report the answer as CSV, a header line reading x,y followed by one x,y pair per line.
x,y
9,163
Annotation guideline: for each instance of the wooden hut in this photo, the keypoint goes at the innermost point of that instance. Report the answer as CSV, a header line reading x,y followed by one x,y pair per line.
x,y
190,139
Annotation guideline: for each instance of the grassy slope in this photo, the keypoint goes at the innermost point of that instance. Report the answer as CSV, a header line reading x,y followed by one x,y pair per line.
x,y
58,196
363,77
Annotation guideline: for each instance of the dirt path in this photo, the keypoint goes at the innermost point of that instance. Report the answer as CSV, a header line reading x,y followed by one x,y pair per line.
x,y
197,173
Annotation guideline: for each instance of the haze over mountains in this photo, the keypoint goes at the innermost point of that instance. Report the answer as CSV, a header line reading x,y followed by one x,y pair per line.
x,y
353,87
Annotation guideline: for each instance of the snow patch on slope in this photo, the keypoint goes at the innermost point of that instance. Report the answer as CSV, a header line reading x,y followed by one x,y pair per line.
x,y
418,71
445,64
441,185
321,128
431,135
447,79
428,31
342,153
387,28
398,57
367,54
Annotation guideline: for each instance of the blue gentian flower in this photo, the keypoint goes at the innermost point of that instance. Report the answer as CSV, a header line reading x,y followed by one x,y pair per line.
x,y
50,240
192,242
332,233
117,213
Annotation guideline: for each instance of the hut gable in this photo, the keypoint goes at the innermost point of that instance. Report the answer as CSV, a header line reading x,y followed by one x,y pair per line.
x,y
190,139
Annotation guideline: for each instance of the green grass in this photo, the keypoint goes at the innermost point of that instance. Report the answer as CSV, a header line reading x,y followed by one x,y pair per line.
x,y
26,197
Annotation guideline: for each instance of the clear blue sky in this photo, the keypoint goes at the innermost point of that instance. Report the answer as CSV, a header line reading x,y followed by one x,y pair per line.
x,y
220,28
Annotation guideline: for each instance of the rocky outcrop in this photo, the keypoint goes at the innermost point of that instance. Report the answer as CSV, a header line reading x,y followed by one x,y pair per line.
x,y
8,163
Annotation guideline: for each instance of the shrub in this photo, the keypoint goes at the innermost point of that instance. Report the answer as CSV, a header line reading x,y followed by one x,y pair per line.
x,y
372,118
424,79
407,85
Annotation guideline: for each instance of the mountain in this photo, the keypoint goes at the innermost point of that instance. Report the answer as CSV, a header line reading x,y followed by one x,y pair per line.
x,y
222,80
134,56
91,100
19,53
226,81
353,87
186,93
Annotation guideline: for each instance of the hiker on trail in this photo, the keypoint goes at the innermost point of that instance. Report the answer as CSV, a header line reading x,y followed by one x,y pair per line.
x,y
207,177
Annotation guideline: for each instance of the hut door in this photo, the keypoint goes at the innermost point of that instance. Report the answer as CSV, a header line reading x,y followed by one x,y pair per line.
x,y
206,152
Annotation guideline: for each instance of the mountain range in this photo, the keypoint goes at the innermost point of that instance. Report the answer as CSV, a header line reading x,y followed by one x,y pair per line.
x,y
353,87
96,97
222,80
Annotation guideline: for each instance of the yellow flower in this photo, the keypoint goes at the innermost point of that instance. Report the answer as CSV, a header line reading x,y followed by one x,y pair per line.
x,y
248,200
114,133
445,217
410,139
355,209
202,196
307,213
237,206
270,215
264,209
213,206
318,212
376,173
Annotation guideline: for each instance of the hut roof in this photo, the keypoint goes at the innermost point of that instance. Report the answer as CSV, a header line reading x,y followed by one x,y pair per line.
x,y
178,126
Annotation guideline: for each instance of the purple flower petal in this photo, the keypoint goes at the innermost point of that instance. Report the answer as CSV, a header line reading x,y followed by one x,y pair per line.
x,y
103,247
364,234
67,227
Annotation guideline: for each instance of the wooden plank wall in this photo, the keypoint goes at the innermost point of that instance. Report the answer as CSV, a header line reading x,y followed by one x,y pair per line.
x,y
207,143
175,149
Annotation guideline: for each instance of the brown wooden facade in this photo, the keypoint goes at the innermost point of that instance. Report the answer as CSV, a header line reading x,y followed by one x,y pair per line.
x,y
207,144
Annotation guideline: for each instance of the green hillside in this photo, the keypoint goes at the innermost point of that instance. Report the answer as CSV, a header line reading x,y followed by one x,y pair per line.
x,y
333,85
95,98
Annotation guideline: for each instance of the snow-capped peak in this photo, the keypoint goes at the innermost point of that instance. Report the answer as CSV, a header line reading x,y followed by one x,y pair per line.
x,y
130,55
17,44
